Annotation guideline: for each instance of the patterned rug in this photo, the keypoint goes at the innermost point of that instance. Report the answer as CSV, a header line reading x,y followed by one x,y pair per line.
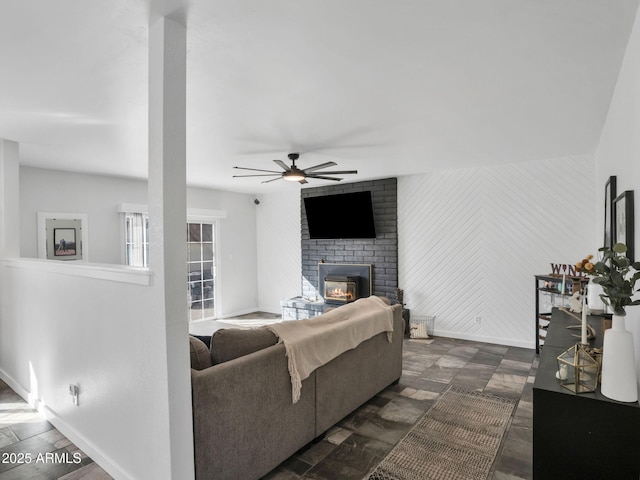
x,y
457,439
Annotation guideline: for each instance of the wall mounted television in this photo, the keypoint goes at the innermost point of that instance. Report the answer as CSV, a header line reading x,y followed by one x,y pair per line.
x,y
344,215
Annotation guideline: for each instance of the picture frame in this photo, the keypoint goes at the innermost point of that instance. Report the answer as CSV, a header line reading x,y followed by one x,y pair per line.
x,y
64,242
609,220
624,225
62,236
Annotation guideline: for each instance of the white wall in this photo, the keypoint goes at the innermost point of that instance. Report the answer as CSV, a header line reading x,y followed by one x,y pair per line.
x,y
279,248
470,242
97,196
44,190
92,325
236,245
95,326
61,328
619,153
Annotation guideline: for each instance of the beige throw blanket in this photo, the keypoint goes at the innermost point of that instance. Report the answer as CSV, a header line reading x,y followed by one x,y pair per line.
x,y
311,343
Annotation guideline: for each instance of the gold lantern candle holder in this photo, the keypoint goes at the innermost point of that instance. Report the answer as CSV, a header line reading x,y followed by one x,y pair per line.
x,y
578,370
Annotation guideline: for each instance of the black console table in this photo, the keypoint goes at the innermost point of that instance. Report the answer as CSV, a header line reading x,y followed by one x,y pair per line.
x,y
580,436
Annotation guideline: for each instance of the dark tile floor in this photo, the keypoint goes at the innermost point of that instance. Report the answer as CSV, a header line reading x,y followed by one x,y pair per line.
x,y
359,442
350,449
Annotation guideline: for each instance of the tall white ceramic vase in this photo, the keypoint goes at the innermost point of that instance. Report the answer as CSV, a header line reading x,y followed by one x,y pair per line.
x,y
618,363
596,305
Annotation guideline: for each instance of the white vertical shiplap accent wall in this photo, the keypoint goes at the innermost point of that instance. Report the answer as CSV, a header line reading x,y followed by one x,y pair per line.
x,y
279,254
471,240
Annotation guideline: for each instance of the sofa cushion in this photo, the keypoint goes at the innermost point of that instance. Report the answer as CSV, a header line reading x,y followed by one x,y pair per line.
x,y
230,343
385,300
200,355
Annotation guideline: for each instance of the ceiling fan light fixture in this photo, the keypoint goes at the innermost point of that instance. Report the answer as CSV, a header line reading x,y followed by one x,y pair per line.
x,y
293,176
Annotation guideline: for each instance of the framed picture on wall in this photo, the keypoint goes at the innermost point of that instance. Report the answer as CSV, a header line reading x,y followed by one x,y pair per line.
x,y
623,211
609,197
62,236
64,242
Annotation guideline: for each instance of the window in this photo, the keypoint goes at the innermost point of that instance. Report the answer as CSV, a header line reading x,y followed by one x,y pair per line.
x,y
201,265
200,270
136,239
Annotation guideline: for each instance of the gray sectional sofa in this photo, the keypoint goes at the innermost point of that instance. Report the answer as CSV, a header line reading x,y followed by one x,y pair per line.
x,y
245,423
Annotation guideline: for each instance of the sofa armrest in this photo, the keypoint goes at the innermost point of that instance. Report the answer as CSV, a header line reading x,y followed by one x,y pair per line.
x,y
245,423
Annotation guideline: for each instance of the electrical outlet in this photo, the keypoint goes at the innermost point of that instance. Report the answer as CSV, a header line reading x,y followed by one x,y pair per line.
x,y
478,320
74,391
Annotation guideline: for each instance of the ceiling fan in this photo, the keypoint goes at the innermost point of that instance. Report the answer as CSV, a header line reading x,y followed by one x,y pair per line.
x,y
295,174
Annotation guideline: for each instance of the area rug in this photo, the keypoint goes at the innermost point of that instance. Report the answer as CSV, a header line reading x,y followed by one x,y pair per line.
x,y
457,439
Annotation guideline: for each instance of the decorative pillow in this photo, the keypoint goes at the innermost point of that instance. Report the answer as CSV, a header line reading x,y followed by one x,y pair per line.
x,y
230,343
200,355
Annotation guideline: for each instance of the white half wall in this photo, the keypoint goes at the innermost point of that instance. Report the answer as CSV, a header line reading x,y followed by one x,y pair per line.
x,y
619,154
61,327
471,241
279,248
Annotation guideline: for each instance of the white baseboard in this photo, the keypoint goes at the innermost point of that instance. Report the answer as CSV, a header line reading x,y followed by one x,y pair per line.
x,y
240,312
479,338
79,440
111,467
16,387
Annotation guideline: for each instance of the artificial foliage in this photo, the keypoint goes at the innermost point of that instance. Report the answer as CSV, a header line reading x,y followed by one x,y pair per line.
x,y
616,274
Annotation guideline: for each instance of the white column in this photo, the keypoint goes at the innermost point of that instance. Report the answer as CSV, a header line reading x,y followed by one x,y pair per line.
x,y
167,216
9,200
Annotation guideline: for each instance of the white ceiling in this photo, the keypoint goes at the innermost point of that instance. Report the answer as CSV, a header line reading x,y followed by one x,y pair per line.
x,y
387,88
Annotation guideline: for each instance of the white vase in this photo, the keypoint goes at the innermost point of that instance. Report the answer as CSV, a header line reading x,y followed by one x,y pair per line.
x,y
618,363
596,305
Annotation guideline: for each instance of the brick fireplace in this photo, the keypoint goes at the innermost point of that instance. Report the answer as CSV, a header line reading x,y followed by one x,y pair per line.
x,y
381,253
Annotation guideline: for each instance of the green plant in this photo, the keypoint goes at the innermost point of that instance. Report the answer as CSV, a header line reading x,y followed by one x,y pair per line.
x,y
614,274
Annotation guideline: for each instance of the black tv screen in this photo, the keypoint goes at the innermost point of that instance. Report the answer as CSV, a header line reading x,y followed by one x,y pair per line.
x,y
346,215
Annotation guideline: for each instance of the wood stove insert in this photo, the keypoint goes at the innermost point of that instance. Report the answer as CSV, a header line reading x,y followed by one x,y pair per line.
x,y
346,281
340,290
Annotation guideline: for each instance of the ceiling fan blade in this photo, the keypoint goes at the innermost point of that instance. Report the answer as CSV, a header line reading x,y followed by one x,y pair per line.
x,y
283,165
318,167
261,175
321,177
341,172
258,170
272,180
